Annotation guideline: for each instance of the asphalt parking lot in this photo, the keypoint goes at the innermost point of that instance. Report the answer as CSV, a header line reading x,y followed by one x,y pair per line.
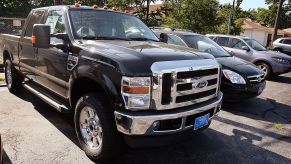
x,y
253,131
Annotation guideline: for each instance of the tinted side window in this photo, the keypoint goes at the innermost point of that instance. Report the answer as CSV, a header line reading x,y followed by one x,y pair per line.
x,y
56,20
287,41
222,41
35,18
236,43
175,40
281,41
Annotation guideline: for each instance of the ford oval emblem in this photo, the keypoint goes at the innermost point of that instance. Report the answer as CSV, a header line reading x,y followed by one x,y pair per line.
x,y
200,84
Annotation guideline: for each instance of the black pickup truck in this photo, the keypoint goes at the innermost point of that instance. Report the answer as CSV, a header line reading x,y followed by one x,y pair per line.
x,y
114,74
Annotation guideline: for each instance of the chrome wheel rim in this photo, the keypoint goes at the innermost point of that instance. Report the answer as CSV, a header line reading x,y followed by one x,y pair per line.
x,y
8,75
91,129
264,69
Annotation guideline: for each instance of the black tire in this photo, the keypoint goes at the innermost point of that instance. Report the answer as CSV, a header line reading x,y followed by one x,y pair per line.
x,y
112,141
12,77
265,68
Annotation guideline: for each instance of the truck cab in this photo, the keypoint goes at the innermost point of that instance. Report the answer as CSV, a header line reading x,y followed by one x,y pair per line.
x,y
112,71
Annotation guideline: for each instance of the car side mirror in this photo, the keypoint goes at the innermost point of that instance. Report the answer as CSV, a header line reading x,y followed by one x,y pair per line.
x,y
246,48
41,36
164,37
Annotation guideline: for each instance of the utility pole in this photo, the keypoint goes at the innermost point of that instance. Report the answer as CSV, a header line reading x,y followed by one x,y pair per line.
x,y
277,22
230,18
58,2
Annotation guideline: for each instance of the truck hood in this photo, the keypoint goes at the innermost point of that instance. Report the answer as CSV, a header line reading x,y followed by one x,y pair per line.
x,y
136,57
240,66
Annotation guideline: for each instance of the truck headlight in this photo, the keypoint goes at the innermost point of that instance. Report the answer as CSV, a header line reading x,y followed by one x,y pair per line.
x,y
136,92
235,78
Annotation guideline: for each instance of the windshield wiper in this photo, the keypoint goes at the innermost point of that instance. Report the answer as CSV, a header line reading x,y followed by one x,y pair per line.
x,y
103,38
143,39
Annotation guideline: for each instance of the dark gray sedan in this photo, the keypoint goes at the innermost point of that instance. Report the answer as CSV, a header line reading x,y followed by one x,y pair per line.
x,y
270,62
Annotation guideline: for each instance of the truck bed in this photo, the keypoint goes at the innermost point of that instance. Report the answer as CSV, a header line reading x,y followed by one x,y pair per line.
x,y
11,41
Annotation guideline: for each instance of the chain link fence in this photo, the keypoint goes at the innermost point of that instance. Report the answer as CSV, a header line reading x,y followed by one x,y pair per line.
x,y
11,25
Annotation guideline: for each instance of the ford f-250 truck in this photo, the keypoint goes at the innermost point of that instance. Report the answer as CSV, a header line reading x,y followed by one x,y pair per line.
x,y
114,74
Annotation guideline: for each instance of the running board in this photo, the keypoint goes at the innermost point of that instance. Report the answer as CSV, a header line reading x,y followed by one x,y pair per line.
x,y
58,106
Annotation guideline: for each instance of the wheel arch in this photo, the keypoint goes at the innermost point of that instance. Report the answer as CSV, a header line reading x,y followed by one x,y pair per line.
x,y
84,80
264,61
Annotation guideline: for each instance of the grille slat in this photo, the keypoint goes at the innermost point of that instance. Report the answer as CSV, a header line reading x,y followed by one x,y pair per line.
x,y
198,73
194,96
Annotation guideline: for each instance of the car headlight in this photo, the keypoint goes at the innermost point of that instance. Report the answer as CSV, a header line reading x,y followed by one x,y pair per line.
x,y
280,60
136,92
233,77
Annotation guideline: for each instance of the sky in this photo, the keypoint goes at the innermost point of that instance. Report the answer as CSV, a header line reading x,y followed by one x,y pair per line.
x,y
248,4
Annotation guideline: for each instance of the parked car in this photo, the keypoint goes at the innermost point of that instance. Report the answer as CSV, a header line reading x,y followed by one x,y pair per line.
x,y
1,150
282,45
241,80
112,71
270,62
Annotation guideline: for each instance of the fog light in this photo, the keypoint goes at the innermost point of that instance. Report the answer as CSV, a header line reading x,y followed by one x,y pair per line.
x,y
156,125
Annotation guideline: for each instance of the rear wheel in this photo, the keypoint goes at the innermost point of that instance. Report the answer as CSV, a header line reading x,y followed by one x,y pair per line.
x,y
12,77
95,127
265,68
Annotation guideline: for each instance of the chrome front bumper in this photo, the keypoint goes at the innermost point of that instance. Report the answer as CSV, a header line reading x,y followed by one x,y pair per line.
x,y
143,123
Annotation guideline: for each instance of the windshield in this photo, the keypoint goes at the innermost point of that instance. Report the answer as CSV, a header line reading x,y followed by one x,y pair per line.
x,y
205,44
255,45
104,25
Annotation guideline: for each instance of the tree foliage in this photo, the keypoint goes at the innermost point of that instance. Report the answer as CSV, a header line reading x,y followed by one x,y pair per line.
x,y
196,15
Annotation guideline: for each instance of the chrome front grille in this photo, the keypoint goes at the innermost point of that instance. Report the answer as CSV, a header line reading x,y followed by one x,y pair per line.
x,y
183,83
256,79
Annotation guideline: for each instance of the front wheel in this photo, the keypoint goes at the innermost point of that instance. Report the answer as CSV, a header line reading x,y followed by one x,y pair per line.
x,y
95,127
265,68
12,77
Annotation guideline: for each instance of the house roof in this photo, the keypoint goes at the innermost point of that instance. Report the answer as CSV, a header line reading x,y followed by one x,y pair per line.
x,y
251,25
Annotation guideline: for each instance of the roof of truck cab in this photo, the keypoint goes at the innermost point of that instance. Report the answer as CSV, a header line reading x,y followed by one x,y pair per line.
x,y
87,8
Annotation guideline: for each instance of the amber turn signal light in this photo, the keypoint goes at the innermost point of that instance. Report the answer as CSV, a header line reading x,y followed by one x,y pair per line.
x,y
33,39
136,90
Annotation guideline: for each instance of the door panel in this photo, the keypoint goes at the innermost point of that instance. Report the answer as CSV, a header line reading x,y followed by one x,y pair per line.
x,y
235,48
52,62
26,49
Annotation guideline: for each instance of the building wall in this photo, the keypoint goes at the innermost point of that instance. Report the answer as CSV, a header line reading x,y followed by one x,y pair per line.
x,y
259,35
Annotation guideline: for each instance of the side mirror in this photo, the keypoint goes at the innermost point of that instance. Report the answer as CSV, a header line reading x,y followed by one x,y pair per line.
x,y
246,48
41,36
164,37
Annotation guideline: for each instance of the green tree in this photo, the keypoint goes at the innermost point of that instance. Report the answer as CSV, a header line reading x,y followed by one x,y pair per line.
x,y
197,15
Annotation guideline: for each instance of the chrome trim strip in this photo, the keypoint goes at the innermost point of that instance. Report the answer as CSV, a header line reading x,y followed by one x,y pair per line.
x,y
57,106
187,92
191,80
143,124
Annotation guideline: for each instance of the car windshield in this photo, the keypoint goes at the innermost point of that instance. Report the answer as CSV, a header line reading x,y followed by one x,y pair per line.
x,y
255,45
205,44
106,25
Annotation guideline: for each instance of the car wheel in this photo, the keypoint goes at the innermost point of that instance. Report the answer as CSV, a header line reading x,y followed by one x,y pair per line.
x,y
12,77
96,129
265,68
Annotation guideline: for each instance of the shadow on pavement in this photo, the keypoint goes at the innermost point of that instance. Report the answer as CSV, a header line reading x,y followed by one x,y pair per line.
x,y
281,79
261,109
210,146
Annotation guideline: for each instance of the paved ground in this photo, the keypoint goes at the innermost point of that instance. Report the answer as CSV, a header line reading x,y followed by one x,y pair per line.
x,y
254,131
